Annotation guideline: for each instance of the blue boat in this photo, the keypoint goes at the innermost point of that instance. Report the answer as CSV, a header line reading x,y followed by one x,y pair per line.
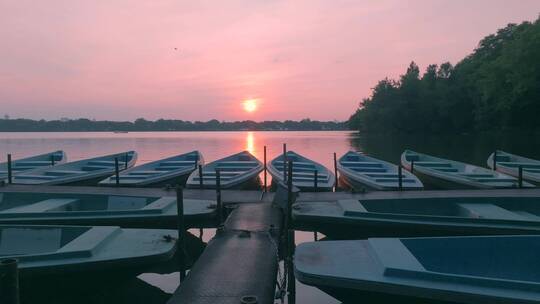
x,y
128,211
413,215
83,172
172,170
238,171
81,257
33,162
474,269
361,172
450,174
303,171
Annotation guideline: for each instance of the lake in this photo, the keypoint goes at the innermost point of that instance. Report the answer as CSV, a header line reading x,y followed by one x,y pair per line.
x,y
319,146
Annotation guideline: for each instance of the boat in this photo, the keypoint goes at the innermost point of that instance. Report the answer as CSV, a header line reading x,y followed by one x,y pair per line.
x,y
59,255
509,164
471,269
361,172
304,171
128,211
169,171
439,214
82,172
238,171
450,174
33,162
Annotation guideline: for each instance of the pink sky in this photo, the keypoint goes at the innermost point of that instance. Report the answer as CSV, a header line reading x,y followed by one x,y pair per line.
x,y
116,59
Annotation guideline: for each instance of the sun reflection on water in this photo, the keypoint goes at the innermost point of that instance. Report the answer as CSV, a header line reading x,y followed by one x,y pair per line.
x,y
250,143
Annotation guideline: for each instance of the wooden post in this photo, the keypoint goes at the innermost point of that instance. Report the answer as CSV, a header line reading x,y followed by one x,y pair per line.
x,y
10,175
289,194
316,180
117,171
265,172
412,166
400,179
335,173
284,162
520,176
495,160
218,196
315,236
200,177
9,282
52,159
181,244
126,163
291,281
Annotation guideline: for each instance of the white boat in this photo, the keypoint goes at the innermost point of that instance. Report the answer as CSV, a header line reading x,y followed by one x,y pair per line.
x,y
172,170
33,162
472,269
450,174
304,171
237,171
361,172
82,172
509,164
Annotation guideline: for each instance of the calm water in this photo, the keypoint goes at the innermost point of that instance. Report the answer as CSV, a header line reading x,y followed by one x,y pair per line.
x,y
319,146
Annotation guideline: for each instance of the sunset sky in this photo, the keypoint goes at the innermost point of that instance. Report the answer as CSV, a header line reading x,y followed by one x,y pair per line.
x,y
229,60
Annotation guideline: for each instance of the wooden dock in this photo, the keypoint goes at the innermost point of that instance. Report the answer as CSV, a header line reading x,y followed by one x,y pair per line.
x,y
240,263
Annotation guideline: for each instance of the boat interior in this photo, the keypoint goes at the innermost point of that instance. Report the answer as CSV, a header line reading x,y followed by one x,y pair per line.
x,y
378,171
35,240
11,202
229,168
303,169
509,258
523,209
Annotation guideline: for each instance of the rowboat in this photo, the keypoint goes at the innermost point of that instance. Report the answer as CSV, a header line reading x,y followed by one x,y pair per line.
x,y
173,170
237,171
82,172
33,162
53,254
304,171
451,174
473,269
36,208
509,164
442,215
361,172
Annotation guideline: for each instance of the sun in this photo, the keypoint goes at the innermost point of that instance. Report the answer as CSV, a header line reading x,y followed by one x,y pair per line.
x,y
250,105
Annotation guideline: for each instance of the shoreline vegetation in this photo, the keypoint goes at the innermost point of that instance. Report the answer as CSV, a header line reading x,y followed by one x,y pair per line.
x,y
141,125
494,89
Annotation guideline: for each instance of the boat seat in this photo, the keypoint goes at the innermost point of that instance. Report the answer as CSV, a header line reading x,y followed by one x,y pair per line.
x,y
95,168
531,170
495,180
446,169
370,170
176,163
40,177
489,211
42,206
476,175
384,175
362,164
352,207
516,164
62,172
527,215
33,163
308,179
432,164
143,173
310,174
279,163
107,163
394,180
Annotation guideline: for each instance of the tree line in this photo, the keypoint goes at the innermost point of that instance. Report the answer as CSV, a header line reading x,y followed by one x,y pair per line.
x,y
141,124
496,88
